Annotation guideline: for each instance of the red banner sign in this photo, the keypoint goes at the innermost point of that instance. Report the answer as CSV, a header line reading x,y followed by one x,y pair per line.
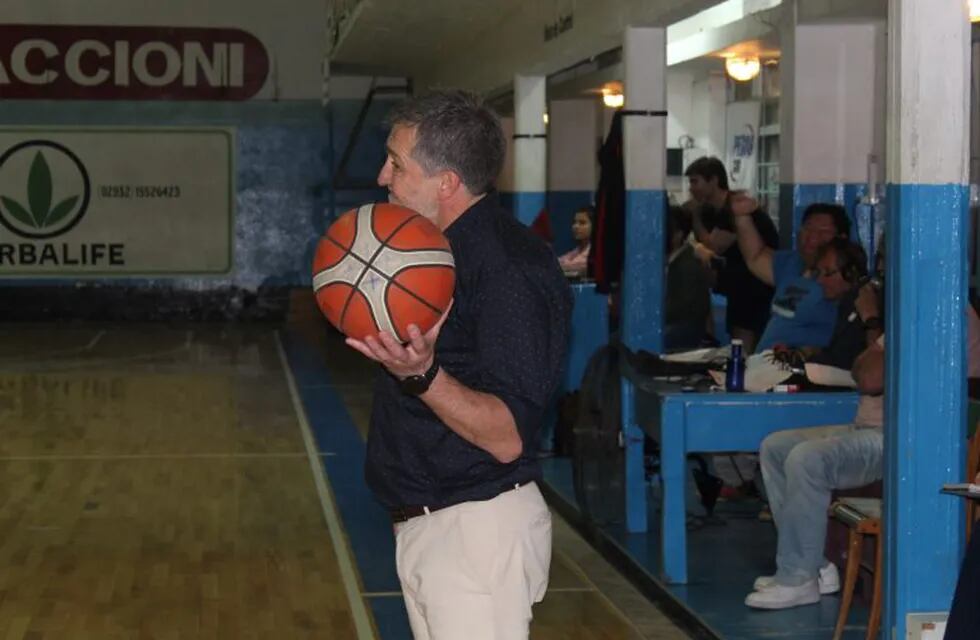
x,y
49,62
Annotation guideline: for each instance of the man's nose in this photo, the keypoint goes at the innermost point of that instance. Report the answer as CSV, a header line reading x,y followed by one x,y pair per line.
x,y
384,176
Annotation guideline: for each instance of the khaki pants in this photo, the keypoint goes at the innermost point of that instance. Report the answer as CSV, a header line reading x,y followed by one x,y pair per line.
x,y
473,570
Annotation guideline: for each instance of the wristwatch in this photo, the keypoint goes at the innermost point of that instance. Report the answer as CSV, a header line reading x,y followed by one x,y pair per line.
x,y
873,324
417,385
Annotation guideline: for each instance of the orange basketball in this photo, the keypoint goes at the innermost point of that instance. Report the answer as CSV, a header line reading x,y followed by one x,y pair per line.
x,y
382,267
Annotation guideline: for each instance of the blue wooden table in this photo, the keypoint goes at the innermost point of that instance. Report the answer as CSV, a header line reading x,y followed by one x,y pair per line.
x,y
686,423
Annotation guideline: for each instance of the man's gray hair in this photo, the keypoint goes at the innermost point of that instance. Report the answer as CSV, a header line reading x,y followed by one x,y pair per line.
x,y
455,131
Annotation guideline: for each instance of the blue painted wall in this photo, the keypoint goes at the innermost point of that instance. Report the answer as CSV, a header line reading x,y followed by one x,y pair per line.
x,y
561,207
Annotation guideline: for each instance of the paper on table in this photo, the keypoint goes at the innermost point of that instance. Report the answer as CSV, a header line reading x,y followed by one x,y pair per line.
x,y
761,373
829,376
697,355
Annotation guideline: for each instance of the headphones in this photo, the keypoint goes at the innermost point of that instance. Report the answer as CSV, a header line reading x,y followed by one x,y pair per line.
x,y
851,259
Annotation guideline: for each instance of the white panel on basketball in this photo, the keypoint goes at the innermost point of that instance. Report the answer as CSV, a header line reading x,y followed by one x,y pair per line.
x,y
373,286
390,261
365,242
349,269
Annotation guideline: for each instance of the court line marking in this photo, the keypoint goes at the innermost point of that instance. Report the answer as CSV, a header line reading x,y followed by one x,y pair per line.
x,y
340,386
58,353
95,340
577,568
392,594
55,365
362,622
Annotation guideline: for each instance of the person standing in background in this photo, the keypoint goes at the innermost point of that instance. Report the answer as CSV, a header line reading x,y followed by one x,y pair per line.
x,y
714,228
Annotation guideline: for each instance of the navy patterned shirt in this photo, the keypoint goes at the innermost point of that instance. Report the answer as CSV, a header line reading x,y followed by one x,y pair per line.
x,y
506,335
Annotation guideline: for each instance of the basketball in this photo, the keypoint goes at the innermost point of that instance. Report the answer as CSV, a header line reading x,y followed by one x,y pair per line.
x,y
383,267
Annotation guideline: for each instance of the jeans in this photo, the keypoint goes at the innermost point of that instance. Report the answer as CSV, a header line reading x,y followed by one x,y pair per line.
x,y
800,468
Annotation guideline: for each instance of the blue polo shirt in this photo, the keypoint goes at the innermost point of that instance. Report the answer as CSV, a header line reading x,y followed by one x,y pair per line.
x,y
800,315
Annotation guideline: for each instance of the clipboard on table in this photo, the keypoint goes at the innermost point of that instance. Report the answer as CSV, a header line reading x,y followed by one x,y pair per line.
x,y
963,490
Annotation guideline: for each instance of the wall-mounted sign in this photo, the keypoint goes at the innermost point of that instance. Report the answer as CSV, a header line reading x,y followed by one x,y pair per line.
x,y
77,202
742,153
58,62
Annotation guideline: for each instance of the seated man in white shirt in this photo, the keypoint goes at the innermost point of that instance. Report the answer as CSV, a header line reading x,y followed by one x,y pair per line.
x,y
801,467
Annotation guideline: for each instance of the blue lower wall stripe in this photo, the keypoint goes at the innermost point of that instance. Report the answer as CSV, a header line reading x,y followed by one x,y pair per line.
x,y
925,397
528,204
643,283
795,198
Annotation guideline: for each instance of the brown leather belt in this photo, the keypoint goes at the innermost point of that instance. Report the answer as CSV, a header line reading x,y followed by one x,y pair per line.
x,y
401,514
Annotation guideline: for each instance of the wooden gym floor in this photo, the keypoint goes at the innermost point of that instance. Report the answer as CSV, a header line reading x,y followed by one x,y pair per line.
x,y
176,482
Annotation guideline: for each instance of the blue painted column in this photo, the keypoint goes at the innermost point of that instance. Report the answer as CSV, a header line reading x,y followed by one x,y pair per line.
x,y
832,114
530,147
643,283
928,153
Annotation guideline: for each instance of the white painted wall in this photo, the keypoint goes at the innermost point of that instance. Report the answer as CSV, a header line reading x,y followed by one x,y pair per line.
x,y
294,38
572,134
530,154
681,118
707,122
838,83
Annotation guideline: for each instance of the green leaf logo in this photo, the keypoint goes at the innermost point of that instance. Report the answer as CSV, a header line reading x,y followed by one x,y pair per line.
x,y
40,188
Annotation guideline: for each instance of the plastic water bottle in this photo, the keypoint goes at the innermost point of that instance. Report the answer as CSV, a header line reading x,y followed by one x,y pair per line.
x,y
735,371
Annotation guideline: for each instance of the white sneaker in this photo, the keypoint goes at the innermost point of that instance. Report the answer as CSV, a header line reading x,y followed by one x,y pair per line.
x,y
828,580
780,596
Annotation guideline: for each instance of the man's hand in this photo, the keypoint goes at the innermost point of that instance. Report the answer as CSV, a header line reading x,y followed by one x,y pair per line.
x,y
792,357
743,204
866,303
400,360
704,254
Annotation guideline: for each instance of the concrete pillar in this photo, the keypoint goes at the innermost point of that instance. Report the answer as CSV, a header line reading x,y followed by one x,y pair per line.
x,y
643,282
530,147
927,195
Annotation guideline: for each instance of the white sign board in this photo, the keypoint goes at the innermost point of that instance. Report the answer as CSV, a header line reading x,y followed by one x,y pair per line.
x,y
108,34
742,144
105,202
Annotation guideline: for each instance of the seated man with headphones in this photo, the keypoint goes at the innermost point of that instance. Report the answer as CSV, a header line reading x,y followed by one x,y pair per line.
x,y
801,467
843,278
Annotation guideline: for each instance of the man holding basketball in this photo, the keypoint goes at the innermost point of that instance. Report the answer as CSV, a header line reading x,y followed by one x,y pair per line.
x,y
457,411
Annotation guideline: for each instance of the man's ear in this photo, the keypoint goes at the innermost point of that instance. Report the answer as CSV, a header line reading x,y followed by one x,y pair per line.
x,y
449,184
